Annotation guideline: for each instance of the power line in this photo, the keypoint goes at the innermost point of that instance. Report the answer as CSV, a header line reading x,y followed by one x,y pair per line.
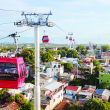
x,y
25,30
4,37
6,23
60,28
17,33
11,10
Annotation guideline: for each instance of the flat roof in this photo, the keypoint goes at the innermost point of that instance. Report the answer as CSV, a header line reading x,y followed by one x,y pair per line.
x,y
51,85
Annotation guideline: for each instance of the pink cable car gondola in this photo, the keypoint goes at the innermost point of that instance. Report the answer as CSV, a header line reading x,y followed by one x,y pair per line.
x,y
45,39
12,72
73,39
70,38
66,37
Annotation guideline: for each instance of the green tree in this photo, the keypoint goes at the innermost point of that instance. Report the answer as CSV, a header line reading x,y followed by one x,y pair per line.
x,y
75,107
79,48
82,69
96,63
27,106
98,69
84,51
96,104
78,82
68,66
47,57
103,85
79,62
11,98
105,47
41,52
72,53
91,79
28,55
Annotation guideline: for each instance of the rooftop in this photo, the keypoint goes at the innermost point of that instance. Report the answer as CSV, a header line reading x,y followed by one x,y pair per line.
x,y
52,85
74,88
63,106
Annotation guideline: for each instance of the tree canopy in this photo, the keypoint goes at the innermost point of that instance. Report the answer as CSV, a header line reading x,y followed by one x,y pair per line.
x,y
91,79
47,57
96,63
103,85
82,49
72,53
105,47
68,66
91,104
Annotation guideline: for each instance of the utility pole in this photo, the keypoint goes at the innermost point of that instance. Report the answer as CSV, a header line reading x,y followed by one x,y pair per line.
x,y
42,20
70,34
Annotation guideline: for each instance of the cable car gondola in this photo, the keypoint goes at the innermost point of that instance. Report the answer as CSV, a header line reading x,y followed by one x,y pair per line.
x,y
66,37
12,72
73,39
70,38
45,39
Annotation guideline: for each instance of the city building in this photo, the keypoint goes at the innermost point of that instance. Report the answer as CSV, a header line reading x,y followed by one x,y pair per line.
x,y
102,94
53,68
104,76
52,94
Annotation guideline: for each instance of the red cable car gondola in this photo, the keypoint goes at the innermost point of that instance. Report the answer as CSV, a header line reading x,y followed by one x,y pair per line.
x,y
70,38
12,72
45,39
66,37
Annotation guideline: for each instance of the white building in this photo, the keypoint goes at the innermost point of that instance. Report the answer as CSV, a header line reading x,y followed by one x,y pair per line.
x,y
53,68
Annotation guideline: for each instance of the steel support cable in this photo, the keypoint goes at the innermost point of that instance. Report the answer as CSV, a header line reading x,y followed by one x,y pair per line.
x,y
60,28
49,32
17,33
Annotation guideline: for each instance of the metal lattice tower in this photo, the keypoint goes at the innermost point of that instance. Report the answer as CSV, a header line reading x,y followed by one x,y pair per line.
x,y
42,20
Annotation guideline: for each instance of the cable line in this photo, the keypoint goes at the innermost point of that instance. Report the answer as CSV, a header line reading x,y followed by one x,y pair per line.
x,y
6,23
10,10
17,33
25,30
60,28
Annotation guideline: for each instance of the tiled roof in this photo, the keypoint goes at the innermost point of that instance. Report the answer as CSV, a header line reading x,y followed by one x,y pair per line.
x,y
86,61
14,106
63,106
10,106
74,88
63,81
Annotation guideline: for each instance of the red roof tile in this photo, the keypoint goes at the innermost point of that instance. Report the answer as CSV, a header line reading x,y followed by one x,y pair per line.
x,y
14,106
86,61
74,88
63,106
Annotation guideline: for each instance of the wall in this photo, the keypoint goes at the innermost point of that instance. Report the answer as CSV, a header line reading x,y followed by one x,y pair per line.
x,y
104,78
58,98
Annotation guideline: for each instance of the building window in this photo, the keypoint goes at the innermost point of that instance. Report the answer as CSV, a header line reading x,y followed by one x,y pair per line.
x,y
101,80
56,69
101,75
58,96
107,81
61,94
53,100
52,69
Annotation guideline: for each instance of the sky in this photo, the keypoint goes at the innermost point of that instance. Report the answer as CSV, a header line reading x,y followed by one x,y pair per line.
x,y
89,20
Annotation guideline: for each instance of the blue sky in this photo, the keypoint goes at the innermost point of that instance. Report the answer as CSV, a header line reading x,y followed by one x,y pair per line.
x,y
89,20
